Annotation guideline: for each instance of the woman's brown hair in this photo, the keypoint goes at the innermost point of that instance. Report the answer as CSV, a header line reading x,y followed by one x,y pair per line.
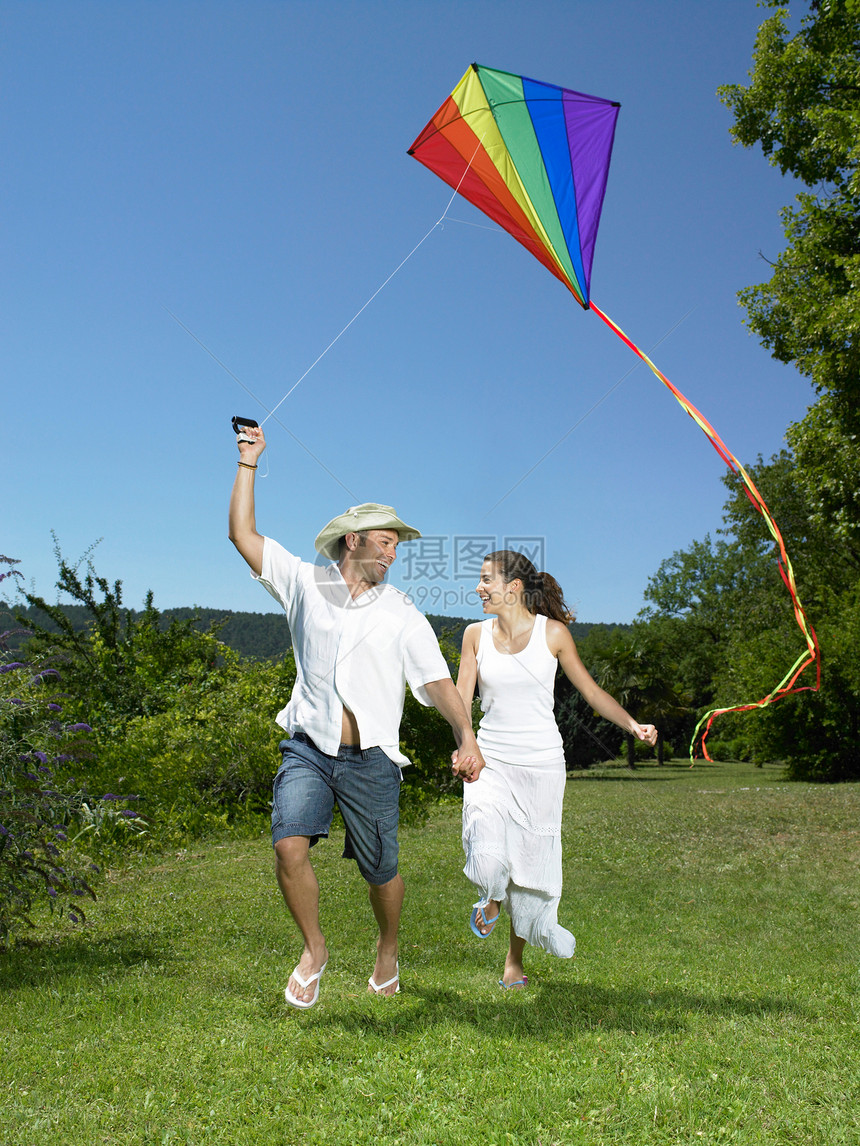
x,y
541,592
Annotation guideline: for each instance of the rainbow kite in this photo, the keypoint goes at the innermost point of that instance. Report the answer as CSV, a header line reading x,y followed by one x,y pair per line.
x,y
535,158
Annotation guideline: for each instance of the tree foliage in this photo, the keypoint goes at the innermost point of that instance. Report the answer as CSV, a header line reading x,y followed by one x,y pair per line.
x,y
180,718
121,664
802,106
176,718
723,613
45,811
720,605
634,668
587,738
827,460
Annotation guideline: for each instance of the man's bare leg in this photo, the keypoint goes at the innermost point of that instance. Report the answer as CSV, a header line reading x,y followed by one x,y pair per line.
x,y
301,892
386,899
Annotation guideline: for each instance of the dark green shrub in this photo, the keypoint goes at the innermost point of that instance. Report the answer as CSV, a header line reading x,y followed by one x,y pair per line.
x,y
44,812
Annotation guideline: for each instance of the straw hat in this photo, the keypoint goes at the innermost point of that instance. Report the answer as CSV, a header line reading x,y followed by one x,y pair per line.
x,y
357,518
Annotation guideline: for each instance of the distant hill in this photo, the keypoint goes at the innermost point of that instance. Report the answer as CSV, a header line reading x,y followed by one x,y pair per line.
x,y
454,627
262,636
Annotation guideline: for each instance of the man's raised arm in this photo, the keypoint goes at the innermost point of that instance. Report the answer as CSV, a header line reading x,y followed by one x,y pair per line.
x,y
243,527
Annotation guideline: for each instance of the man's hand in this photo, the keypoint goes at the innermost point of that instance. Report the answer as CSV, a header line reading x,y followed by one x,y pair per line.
x,y
243,526
467,760
249,452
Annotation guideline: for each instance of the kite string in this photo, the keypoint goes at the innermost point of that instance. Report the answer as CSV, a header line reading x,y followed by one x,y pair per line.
x,y
349,324
812,654
380,288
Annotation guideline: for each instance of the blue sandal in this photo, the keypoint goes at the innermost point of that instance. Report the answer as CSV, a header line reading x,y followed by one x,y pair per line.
x,y
519,984
488,923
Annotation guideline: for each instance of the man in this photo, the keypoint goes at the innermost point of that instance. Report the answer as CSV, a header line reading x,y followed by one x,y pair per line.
x,y
357,641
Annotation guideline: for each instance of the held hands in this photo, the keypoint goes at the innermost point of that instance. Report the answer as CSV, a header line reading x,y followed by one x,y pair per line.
x,y
646,732
467,765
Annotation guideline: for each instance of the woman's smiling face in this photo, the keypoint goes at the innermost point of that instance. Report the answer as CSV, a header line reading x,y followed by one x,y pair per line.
x,y
491,589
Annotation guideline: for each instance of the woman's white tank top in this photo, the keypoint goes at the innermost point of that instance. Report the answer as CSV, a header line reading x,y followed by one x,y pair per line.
x,y
516,690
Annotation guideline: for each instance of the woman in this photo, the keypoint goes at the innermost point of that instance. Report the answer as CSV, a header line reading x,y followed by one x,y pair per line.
x,y
512,814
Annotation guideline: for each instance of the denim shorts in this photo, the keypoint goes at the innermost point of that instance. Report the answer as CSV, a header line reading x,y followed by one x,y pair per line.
x,y
366,785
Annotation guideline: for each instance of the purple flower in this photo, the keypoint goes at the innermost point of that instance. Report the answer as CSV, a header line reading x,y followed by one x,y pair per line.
x,y
129,814
78,728
41,757
111,796
60,835
74,918
52,891
11,665
55,707
3,831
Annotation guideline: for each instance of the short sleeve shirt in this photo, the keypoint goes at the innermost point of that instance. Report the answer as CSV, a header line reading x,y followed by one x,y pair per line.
x,y
359,654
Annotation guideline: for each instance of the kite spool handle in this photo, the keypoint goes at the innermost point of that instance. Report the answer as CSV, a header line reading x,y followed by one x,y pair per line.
x,y
239,425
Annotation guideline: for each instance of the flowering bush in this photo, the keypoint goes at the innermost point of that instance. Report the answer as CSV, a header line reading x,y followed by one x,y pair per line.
x,y
43,811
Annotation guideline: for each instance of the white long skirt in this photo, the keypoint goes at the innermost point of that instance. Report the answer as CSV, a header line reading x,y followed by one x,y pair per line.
x,y
512,841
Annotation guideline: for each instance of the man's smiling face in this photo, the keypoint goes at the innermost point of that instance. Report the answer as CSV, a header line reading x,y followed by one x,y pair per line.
x,y
375,553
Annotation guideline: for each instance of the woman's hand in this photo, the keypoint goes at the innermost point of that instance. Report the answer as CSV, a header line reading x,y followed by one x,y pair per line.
x,y
646,732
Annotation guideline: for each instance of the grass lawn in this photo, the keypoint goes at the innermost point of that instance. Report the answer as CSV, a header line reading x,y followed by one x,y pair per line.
x,y
713,997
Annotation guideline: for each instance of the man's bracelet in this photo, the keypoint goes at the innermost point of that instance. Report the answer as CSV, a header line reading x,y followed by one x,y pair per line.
x,y
247,467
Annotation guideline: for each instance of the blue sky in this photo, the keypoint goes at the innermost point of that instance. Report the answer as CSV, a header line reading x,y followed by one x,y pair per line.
x,y
243,166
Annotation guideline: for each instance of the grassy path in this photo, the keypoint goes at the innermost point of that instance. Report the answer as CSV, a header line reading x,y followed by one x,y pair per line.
x,y
713,997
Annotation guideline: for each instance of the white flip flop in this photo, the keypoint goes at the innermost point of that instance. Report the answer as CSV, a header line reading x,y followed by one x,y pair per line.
x,y
302,982
378,988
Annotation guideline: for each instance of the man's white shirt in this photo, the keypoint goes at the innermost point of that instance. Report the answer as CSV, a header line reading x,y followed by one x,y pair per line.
x,y
359,654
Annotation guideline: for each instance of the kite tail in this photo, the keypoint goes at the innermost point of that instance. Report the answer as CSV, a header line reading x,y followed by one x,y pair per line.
x,y
811,655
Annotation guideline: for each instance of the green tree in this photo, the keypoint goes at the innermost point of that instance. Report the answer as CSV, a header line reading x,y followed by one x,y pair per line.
x,y
631,666
696,600
122,664
827,460
721,606
724,614
587,738
813,732
802,106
